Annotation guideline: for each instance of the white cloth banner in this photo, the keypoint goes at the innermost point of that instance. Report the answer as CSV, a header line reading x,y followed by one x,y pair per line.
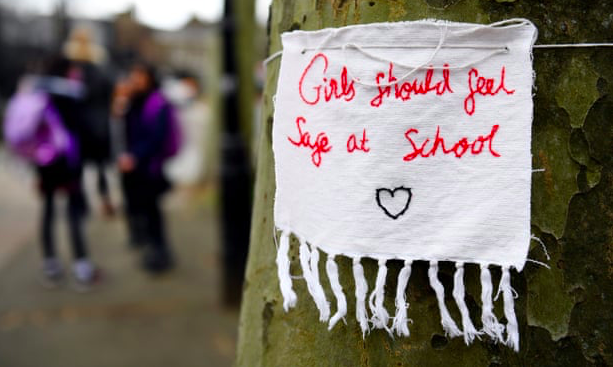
x,y
406,141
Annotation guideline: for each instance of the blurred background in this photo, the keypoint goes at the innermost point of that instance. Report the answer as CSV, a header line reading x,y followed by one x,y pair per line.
x,y
205,57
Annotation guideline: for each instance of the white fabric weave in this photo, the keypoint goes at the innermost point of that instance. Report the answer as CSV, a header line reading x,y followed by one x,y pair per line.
x,y
406,141
473,209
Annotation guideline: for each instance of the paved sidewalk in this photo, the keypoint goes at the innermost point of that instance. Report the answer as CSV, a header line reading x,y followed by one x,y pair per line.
x,y
132,319
17,206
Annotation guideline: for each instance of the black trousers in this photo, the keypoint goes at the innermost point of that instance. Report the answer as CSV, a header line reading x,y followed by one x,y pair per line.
x,y
146,223
54,179
103,183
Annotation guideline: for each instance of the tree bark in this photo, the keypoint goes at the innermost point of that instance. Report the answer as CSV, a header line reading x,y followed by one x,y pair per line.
x,y
565,313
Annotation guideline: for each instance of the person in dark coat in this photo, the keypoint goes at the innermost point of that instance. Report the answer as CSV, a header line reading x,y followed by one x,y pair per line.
x,y
65,175
143,179
91,113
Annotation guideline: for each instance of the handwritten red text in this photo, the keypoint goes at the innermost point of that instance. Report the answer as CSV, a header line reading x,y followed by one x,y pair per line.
x,y
353,145
483,86
318,147
404,90
331,87
460,148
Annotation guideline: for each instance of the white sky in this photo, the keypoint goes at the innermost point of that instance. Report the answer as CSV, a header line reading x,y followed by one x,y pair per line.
x,y
166,14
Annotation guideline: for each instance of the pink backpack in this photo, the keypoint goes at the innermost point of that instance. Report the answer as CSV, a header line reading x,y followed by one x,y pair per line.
x,y
34,129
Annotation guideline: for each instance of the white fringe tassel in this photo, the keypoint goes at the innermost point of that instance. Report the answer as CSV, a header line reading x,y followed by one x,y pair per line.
x,y
400,323
285,279
491,326
337,289
512,340
469,330
307,260
380,316
450,327
361,288
314,262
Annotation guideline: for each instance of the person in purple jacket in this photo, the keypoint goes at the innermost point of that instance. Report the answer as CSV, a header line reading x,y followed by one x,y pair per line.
x,y
148,126
36,128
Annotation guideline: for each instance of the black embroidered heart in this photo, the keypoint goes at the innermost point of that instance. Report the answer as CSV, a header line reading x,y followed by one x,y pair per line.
x,y
394,202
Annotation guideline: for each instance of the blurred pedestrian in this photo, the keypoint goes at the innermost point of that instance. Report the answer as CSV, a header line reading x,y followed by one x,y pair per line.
x,y
151,137
90,116
188,166
35,129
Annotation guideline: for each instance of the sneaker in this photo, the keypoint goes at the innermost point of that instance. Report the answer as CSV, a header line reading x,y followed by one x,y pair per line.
x,y
156,263
87,284
51,280
86,275
52,275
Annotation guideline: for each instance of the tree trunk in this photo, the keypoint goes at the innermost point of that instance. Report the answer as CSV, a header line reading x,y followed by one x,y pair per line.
x,y
565,313
236,170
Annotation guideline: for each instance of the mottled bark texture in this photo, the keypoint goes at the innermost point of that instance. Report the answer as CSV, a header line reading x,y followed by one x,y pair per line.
x,y
565,314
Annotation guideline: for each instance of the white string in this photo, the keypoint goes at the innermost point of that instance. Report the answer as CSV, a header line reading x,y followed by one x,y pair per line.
x,y
337,289
380,316
277,54
509,312
283,272
274,237
417,45
477,47
573,45
361,288
270,58
468,328
507,23
533,237
314,262
512,22
450,327
539,263
513,291
491,326
400,322
313,286
496,50
441,41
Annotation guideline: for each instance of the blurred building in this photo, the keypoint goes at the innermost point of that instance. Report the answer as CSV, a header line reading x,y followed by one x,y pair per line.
x,y
193,48
24,42
29,39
